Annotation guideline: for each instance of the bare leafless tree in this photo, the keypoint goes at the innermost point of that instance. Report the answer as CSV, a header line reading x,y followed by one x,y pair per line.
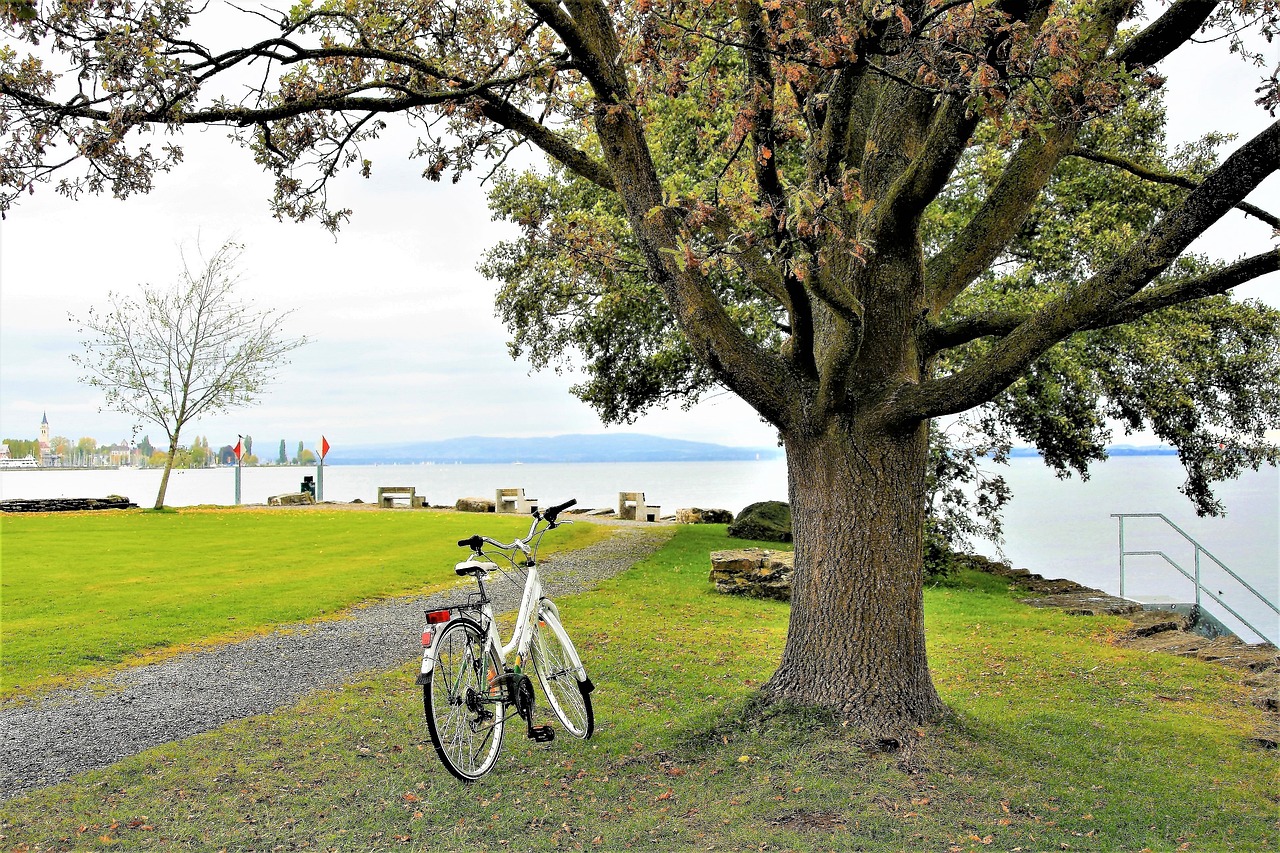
x,y
179,353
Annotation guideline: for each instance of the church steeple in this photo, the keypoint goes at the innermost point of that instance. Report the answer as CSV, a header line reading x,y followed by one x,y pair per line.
x,y
44,433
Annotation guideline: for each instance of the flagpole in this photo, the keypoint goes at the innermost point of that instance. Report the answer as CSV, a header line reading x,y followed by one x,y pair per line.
x,y
324,449
239,442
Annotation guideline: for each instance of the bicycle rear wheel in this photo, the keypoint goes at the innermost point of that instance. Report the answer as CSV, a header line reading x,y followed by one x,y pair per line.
x,y
553,656
464,704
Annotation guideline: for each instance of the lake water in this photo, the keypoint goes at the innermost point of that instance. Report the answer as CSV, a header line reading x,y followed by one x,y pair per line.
x,y
1058,528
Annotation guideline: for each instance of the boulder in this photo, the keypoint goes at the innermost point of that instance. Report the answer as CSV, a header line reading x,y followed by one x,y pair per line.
x,y
755,572
474,505
769,521
697,515
292,499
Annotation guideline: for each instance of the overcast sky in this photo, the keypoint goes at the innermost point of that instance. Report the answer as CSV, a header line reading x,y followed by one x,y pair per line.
x,y
404,342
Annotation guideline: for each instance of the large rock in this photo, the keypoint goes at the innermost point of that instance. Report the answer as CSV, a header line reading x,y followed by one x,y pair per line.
x,y
474,505
697,515
756,572
292,499
769,521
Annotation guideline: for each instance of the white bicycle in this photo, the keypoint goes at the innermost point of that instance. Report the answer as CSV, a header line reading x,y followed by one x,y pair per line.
x,y
468,689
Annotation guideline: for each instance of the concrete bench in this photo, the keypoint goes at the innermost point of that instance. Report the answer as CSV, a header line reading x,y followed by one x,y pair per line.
x,y
388,495
513,500
632,506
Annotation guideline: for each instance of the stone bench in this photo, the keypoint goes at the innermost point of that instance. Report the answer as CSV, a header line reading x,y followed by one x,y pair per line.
x,y
513,500
632,506
755,572
388,495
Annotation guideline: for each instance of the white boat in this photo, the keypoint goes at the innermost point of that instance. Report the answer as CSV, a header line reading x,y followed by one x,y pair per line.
x,y
19,463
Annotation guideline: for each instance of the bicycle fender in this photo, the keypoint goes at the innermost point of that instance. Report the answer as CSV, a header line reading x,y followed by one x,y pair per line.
x,y
428,662
430,652
549,606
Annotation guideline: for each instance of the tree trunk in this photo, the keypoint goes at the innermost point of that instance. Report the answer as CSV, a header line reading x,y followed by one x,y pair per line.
x,y
168,466
856,643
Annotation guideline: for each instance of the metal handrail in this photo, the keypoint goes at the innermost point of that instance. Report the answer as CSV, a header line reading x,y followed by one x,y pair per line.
x,y
1199,549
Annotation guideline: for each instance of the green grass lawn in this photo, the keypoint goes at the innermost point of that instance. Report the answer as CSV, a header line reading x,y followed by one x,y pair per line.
x,y
1057,741
85,591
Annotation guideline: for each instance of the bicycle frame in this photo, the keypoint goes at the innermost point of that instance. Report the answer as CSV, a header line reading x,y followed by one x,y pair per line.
x,y
476,691
533,605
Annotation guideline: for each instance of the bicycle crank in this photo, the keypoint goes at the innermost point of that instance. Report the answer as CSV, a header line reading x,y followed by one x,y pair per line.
x,y
524,707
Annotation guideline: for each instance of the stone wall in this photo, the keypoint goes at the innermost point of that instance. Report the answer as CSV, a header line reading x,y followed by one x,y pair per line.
x,y
66,504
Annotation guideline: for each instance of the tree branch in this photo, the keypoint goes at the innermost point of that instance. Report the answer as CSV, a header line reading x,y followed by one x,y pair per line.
x,y
960,332
553,144
588,59
1157,176
982,240
1093,300
1165,34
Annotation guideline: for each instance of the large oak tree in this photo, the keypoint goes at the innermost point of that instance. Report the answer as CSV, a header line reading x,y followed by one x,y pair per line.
x,y
839,257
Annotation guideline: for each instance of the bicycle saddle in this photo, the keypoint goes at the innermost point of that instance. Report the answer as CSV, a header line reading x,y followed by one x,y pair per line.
x,y
472,567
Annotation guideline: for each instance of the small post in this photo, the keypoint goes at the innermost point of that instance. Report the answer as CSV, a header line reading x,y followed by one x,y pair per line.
x,y
1198,577
324,451
1121,520
239,444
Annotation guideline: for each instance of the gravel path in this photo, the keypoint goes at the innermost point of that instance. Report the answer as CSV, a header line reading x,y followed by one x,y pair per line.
x,y
48,740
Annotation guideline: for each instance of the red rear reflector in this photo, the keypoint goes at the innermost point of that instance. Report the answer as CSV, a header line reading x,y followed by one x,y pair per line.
x,y
437,617
426,639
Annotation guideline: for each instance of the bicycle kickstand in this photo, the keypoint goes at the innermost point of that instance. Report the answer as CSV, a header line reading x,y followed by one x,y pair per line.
x,y
524,707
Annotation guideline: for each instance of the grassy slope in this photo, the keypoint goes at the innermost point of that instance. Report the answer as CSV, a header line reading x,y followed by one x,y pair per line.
x,y
84,591
1058,741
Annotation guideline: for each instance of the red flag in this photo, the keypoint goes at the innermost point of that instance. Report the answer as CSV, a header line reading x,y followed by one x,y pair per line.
x,y
324,447
237,450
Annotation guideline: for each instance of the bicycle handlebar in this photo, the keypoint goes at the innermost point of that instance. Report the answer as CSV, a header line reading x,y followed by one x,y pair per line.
x,y
550,514
476,541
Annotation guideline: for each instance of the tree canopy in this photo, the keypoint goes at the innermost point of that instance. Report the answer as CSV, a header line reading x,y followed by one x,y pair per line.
x,y
576,295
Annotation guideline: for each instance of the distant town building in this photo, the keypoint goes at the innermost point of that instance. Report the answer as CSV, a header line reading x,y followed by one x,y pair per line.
x,y
47,457
46,449
120,453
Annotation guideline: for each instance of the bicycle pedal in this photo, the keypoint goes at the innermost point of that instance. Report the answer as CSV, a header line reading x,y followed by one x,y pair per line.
x,y
542,734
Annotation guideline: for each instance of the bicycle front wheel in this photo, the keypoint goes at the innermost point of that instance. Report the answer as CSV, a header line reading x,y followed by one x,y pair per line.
x,y
553,656
464,701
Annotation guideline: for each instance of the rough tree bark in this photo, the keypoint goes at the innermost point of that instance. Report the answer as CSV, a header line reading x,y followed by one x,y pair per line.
x,y
856,641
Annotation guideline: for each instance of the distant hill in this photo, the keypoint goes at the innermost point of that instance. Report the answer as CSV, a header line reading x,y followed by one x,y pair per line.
x,y
1113,450
624,447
